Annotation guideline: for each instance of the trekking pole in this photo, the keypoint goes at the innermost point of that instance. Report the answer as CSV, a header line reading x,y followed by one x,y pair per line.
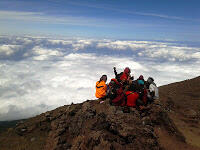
x,y
115,72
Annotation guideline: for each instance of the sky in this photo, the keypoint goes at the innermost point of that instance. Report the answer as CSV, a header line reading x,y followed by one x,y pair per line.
x,y
52,52
121,19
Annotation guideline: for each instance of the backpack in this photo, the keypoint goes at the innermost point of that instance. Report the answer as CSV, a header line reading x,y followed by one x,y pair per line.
x,y
118,76
114,87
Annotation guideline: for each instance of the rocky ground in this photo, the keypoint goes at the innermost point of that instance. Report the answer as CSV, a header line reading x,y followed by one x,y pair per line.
x,y
93,125
182,102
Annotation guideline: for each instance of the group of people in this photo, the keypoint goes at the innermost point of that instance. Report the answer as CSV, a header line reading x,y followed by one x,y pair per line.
x,y
123,90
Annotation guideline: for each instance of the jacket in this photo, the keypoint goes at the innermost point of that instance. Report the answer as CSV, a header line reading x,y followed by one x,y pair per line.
x,y
153,88
101,89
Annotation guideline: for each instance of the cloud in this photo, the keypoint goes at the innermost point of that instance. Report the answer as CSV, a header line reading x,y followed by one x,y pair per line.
x,y
156,50
45,18
53,72
7,50
172,53
134,12
44,53
161,16
40,17
124,45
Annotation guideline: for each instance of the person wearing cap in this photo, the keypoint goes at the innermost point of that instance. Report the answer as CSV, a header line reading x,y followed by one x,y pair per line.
x,y
153,92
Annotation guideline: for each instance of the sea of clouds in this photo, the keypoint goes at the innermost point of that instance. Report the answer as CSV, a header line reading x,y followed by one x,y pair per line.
x,y
39,74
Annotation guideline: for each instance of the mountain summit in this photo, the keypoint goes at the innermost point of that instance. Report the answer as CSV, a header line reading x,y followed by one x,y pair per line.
x,y
165,124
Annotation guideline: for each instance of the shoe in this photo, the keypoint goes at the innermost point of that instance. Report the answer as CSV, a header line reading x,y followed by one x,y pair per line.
x,y
142,107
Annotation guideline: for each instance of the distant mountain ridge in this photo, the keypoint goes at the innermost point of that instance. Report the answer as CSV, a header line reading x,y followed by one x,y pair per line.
x,y
170,123
8,124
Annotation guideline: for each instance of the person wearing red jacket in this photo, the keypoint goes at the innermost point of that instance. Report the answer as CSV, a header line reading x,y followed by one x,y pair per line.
x,y
125,76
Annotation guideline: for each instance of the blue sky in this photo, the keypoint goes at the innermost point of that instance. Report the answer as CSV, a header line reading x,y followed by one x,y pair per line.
x,y
118,19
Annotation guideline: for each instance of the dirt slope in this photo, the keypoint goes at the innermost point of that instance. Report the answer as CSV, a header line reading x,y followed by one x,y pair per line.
x,y
182,100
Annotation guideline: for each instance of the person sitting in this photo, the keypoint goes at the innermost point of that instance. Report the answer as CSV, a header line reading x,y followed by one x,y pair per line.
x,y
141,89
137,94
101,87
153,92
116,94
137,85
125,76
140,80
131,98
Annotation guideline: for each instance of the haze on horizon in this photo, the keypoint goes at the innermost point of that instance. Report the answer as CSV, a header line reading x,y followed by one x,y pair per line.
x,y
53,52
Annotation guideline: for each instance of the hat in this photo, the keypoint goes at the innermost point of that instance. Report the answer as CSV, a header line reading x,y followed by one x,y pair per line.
x,y
127,70
150,80
141,77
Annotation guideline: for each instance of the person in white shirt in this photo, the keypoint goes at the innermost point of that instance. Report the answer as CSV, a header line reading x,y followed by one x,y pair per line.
x,y
153,92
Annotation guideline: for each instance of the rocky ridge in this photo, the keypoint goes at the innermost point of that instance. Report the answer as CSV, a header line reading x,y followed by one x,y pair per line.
x,y
95,126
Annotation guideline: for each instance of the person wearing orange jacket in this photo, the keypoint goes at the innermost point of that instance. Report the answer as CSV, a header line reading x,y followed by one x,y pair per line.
x,y
101,87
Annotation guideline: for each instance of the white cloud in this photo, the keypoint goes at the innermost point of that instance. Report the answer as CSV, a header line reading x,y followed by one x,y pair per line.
x,y
44,54
57,72
196,55
62,42
40,17
123,45
134,12
157,50
172,53
7,50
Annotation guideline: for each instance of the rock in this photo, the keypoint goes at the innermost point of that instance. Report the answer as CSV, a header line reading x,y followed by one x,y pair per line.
x,y
67,109
54,124
132,109
126,110
143,114
62,140
90,113
146,121
150,127
19,123
66,146
157,102
191,113
47,114
98,126
60,131
10,130
23,130
32,139
119,112
86,106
